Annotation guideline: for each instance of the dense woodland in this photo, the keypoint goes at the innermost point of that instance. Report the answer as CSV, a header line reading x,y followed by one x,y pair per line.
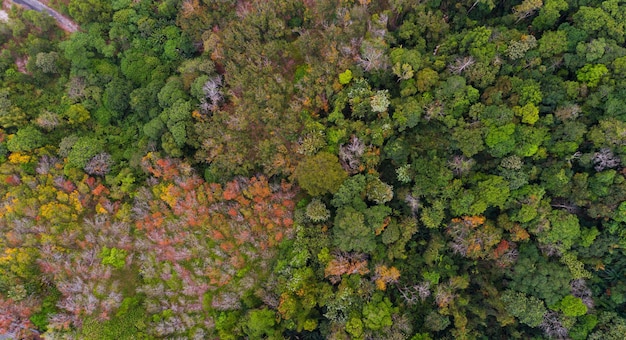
x,y
316,169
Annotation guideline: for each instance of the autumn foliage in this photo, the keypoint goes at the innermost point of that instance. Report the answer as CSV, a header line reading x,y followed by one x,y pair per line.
x,y
345,263
196,243
204,243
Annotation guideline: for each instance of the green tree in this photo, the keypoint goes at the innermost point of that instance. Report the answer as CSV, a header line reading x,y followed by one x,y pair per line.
x,y
592,74
535,275
377,313
500,139
26,139
47,62
116,97
260,323
351,233
549,14
377,191
77,114
316,211
572,306
528,112
113,256
564,229
552,43
83,150
320,174
527,309
345,77
591,19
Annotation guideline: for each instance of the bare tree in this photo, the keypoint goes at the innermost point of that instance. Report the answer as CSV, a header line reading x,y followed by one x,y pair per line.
x,y
552,326
99,164
605,159
350,154
372,57
580,290
461,64
413,202
460,164
76,88
213,94
415,293
568,112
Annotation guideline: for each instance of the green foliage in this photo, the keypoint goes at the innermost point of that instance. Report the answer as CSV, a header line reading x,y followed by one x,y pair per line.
x,y
620,213
129,324
377,313
610,326
114,257
528,112
564,229
585,324
535,276
572,306
378,192
259,323
316,211
48,308
500,140
552,43
592,74
354,327
351,192
83,150
320,174
77,114
504,122
433,216
528,309
345,77
26,139
350,231
549,14
576,268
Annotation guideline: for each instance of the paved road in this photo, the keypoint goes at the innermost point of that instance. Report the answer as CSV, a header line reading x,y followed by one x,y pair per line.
x,y
38,6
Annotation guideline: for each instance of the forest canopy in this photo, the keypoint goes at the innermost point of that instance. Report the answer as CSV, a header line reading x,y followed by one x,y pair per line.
x,y
289,169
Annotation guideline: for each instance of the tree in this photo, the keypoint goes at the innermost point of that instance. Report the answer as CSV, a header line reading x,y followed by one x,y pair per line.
x,y
116,97
378,192
528,309
345,77
377,313
26,139
592,74
528,112
83,150
260,323
552,43
500,140
316,211
591,19
564,229
537,276
77,114
89,11
549,14
47,62
320,174
572,306
351,233
526,8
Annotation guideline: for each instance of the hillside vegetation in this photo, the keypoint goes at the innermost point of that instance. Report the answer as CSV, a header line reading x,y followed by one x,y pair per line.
x,y
329,169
